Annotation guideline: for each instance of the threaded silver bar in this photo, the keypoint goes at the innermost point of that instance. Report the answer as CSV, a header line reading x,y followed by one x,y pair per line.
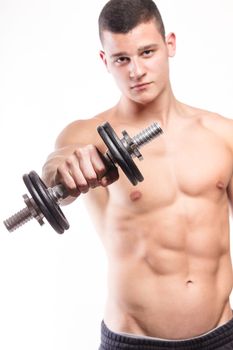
x,y
18,219
23,216
147,135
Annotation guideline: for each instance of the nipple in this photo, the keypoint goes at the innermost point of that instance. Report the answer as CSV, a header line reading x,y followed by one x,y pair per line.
x,y
135,195
220,185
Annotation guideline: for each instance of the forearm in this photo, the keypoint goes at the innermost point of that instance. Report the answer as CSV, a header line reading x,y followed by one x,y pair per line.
x,y
49,172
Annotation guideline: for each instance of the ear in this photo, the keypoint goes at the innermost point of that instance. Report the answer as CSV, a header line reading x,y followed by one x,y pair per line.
x,y
103,58
171,44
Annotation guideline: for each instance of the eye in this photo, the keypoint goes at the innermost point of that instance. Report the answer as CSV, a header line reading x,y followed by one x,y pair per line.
x,y
122,60
148,53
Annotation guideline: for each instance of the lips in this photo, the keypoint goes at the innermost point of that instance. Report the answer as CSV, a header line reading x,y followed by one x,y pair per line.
x,y
140,86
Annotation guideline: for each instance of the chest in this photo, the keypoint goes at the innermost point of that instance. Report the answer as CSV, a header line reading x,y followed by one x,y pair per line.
x,y
195,164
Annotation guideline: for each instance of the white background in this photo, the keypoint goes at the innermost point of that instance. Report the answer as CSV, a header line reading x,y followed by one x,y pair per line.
x,y
52,287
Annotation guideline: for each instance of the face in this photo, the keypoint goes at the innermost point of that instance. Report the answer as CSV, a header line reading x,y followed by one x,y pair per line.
x,y
138,61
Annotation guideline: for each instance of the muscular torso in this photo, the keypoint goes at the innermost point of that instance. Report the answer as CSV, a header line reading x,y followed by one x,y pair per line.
x,y
167,239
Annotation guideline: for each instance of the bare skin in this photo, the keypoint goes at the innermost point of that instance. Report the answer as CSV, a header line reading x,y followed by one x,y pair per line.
x,y
167,240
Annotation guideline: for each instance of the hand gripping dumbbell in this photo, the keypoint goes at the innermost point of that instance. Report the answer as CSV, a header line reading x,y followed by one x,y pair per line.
x,y
44,201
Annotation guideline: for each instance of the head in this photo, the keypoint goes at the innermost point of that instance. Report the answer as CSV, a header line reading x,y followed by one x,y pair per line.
x,y
135,48
121,16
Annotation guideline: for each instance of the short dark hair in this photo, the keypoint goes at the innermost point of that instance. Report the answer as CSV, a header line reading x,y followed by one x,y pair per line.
x,y
121,16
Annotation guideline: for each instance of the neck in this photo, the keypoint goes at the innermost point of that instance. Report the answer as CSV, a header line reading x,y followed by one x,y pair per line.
x,y
160,109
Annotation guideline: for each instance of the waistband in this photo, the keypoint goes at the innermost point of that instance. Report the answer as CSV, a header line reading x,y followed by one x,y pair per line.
x,y
219,337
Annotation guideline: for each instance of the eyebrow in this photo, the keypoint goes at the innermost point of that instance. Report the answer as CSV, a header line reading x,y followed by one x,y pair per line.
x,y
140,49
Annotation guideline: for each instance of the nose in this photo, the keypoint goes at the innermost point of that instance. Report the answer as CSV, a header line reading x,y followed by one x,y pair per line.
x,y
136,69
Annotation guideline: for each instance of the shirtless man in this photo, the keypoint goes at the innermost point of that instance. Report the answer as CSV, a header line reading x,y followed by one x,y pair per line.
x,y
167,240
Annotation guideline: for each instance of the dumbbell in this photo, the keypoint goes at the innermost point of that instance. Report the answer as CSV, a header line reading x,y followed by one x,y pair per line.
x,y
45,201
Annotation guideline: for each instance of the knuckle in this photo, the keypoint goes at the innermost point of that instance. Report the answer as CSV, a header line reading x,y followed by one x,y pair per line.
x,y
78,152
91,148
82,151
61,170
69,161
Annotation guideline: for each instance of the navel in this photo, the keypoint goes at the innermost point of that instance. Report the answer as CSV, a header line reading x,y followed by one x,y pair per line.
x,y
135,196
189,283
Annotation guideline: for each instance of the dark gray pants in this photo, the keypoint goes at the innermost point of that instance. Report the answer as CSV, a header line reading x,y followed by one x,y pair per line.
x,y
219,339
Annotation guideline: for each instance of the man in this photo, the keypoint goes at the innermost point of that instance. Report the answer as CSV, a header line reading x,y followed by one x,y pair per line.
x,y
167,240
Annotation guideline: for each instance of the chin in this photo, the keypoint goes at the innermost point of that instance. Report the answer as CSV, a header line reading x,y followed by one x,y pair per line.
x,y
144,100
145,97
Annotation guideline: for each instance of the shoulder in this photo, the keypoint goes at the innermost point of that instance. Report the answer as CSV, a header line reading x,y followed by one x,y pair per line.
x,y
82,131
213,122
219,125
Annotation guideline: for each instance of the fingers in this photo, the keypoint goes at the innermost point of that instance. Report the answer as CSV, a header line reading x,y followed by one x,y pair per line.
x,y
111,176
84,169
65,177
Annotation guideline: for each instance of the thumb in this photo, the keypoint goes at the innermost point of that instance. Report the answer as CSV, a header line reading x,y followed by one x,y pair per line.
x,y
111,176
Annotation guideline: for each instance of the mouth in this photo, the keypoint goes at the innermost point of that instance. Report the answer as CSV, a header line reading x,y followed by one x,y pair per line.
x,y
141,86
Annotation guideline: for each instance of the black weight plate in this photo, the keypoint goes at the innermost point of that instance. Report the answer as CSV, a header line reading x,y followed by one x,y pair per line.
x,y
41,204
49,201
40,200
127,164
117,155
124,152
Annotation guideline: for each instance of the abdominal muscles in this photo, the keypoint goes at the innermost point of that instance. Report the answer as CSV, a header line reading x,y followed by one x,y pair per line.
x,y
169,276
